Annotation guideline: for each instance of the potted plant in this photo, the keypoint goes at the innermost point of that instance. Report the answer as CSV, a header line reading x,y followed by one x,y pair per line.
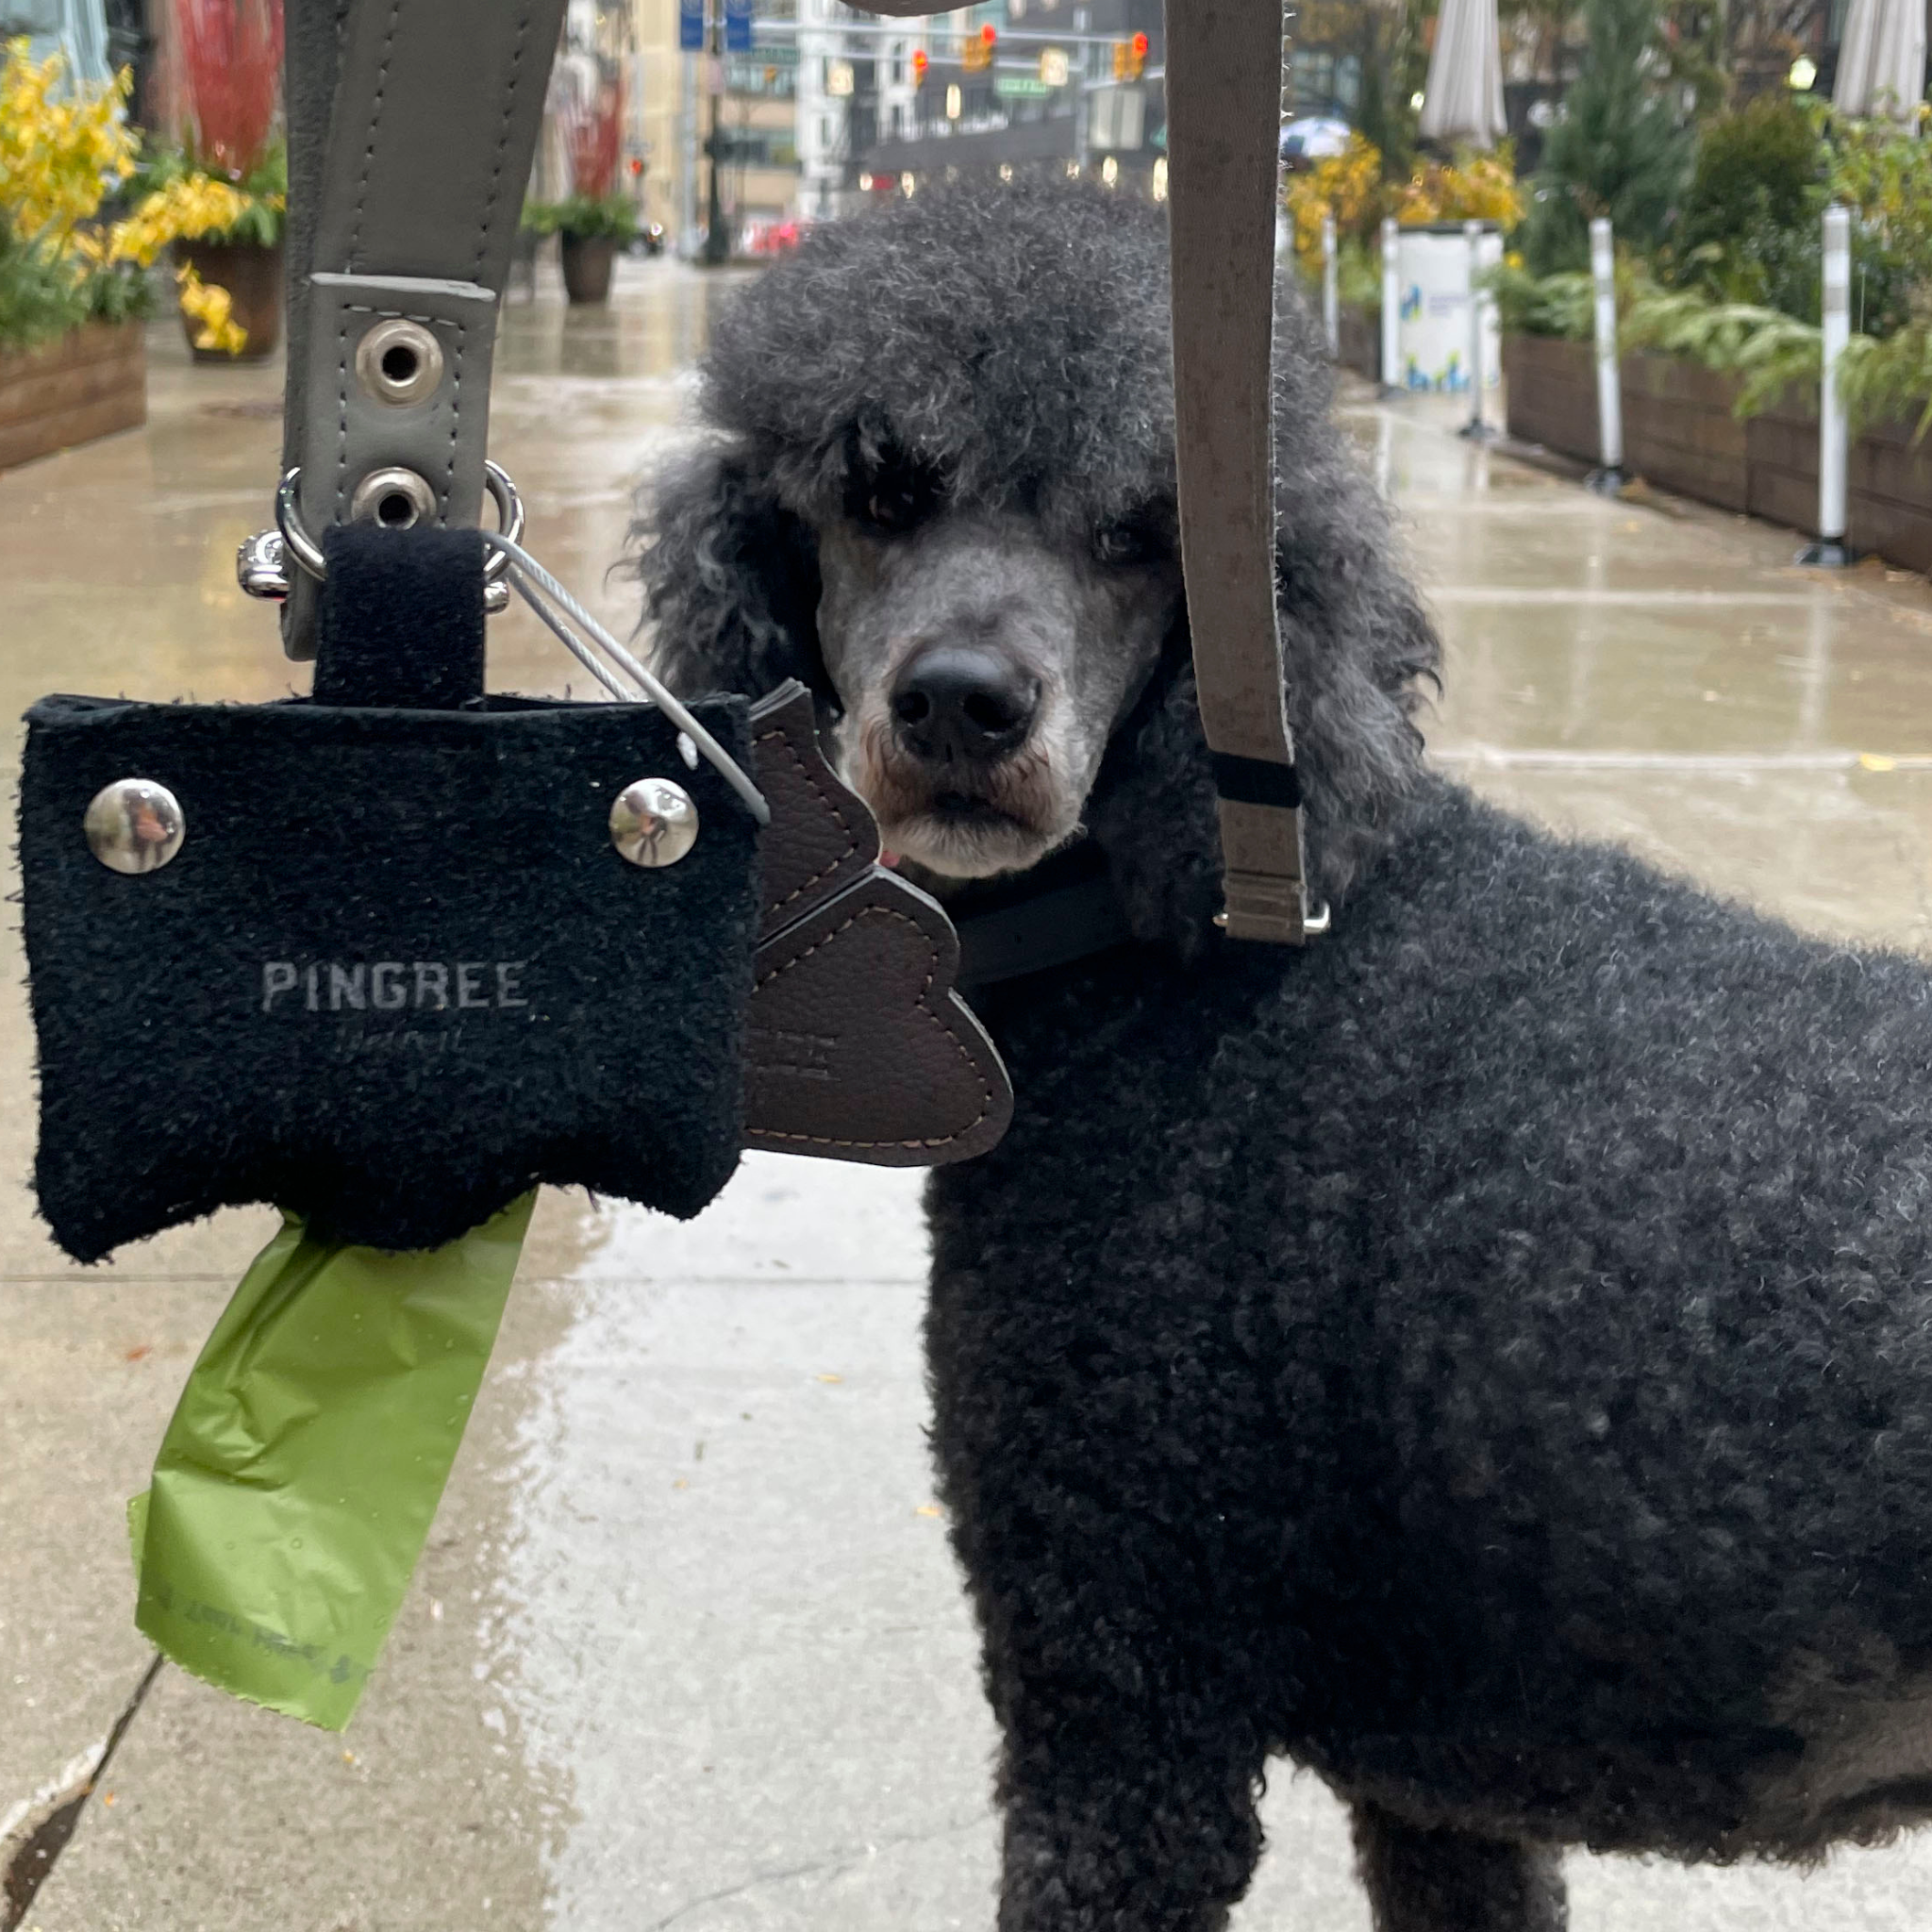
x,y
228,114
74,286
595,221
590,230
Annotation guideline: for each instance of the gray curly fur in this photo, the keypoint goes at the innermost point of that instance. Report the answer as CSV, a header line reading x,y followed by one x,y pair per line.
x,y
1484,1355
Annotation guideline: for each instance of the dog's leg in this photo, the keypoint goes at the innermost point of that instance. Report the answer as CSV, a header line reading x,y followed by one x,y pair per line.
x,y
1129,1825
1449,1881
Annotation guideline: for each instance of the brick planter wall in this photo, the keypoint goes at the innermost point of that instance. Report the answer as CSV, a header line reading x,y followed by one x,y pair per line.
x,y
1551,387
1890,495
87,384
1679,433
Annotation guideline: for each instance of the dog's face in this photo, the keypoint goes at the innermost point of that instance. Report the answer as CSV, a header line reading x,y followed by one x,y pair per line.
x,y
982,660
941,492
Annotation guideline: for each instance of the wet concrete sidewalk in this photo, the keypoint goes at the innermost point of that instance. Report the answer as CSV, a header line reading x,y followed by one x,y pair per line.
x,y
687,1648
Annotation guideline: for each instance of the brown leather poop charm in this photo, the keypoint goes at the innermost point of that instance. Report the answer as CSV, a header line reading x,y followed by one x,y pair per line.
x,y
857,1047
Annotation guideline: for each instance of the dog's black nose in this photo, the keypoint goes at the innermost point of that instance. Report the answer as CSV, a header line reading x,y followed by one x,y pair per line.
x,y
962,702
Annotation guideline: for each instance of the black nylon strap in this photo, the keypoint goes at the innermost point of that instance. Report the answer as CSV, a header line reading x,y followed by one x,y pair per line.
x,y
1044,928
1256,781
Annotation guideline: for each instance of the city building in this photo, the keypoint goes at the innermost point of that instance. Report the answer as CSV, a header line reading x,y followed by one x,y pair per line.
x,y
833,106
1013,84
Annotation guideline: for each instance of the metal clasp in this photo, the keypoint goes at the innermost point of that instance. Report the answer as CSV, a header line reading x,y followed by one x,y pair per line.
x,y
261,564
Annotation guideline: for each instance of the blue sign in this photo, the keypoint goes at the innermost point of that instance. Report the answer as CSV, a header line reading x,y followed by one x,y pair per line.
x,y
691,25
738,27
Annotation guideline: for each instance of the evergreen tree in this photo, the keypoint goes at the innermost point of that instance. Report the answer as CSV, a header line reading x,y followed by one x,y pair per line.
x,y
1617,148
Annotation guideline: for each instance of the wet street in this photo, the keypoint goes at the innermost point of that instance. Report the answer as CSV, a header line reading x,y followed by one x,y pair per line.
x,y
687,1648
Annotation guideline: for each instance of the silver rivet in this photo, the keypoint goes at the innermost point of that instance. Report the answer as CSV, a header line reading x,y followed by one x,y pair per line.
x,y
135,825
398,499
653,821
398,362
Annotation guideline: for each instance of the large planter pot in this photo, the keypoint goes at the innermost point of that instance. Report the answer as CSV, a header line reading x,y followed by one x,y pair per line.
x,y
587,262
1551,387
87,384
252,277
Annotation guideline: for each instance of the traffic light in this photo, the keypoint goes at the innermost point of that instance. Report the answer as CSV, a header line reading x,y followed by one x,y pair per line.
x,y
1136,51
919,63
976,56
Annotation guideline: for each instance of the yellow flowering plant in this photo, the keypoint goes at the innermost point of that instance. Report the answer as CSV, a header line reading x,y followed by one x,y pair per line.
x,y
1352,186
64,149
1478,188
1349,185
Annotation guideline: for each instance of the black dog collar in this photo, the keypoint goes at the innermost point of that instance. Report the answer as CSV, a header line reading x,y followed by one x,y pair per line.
x,y
1063,909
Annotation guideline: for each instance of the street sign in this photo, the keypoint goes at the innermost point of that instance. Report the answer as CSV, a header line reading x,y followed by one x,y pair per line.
x,y
1020,87
691,25
738,27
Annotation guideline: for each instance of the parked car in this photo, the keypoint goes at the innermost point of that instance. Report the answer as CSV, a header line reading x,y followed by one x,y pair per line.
x,y
1315,139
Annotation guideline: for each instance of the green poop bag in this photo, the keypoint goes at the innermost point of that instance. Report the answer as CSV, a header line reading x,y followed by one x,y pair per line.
x,y
301,1469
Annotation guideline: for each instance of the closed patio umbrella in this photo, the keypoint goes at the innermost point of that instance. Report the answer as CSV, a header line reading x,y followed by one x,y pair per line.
x,y
1463,103
1881,61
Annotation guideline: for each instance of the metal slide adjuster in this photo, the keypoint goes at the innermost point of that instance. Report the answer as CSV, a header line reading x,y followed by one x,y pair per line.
x,y
395,498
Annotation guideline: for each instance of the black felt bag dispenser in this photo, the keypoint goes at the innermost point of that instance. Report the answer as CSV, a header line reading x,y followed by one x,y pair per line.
x,y
397,972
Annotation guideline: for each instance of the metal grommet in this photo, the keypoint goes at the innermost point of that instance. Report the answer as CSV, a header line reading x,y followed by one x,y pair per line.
x,y
396,498
134,826
653,821
307,552
399,362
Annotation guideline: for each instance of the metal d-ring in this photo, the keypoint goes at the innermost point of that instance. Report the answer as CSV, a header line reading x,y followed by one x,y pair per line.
x,y
308,553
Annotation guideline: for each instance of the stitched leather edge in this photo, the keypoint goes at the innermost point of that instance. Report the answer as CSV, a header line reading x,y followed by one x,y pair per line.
x,y
510,101
831,805
920,1006
431,323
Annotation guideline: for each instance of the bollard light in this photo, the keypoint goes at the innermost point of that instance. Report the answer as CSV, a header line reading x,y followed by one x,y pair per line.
x,y
1476,428
1607,478
1331,300
1830,550
1391,311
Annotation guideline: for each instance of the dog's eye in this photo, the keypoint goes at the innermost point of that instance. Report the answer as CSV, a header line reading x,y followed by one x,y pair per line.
x,y
1128,541
897,497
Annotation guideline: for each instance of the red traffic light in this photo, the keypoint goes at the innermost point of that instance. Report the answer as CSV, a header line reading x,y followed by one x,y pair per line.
x,y
1139,44
919,63
990,33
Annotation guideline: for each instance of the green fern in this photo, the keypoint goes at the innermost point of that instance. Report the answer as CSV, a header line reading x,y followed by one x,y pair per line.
x,y
1770,350
1884,381
1562,305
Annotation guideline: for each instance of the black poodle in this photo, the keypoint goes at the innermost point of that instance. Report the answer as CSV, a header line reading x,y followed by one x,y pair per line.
x,y
1484,1355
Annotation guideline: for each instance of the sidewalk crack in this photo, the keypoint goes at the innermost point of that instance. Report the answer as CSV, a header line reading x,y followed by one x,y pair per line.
x,y
48,1821
843,1860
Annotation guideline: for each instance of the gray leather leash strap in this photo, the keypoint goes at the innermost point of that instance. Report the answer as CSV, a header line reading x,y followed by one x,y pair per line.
x,y
411,129
1224,118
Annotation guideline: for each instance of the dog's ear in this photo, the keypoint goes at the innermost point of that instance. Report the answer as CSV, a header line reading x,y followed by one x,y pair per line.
x,y
731,580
